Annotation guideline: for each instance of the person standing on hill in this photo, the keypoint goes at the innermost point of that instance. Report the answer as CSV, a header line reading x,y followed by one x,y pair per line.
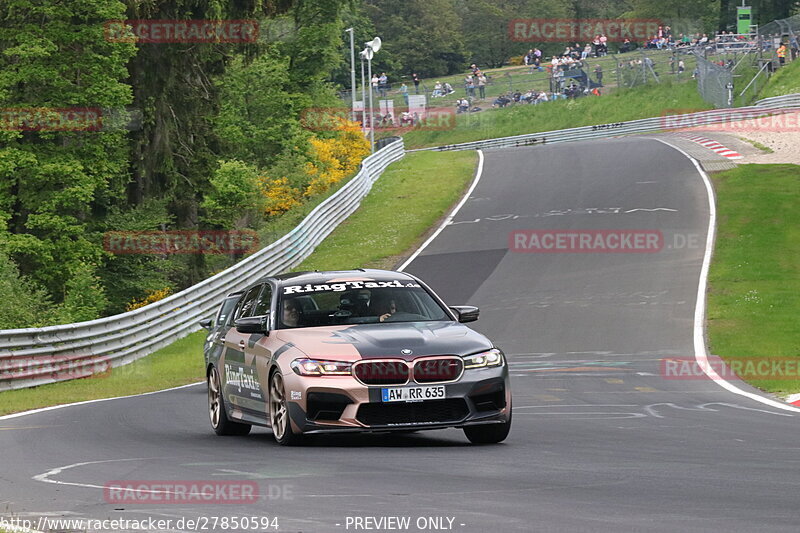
x,y
415,79
598,73
482,85
781,52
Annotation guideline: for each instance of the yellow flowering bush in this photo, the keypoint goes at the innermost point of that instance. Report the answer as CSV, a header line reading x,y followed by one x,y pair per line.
x,y
152,296
335,158
332,160
280,196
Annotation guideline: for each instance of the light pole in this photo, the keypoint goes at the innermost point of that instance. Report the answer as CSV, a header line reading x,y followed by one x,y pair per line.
x,y
372,46
352,71
368,53
363,97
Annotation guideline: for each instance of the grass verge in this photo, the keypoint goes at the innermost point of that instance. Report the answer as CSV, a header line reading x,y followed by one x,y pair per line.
x,y
620,106
755,276
403,204
785,81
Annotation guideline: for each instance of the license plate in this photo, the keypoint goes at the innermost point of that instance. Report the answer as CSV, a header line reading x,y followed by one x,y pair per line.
x,y
412,394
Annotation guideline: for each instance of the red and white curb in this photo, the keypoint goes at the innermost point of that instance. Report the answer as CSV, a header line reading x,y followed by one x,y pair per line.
x,y
714,146
793,399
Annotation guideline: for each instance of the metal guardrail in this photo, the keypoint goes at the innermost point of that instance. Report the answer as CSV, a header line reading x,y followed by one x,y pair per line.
x,y
36,356
768,106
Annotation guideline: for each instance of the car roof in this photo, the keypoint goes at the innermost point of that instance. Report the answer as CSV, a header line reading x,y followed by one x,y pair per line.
x,y
327,276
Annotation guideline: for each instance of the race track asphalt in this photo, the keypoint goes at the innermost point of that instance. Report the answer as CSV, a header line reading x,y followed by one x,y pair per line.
x,y
601,440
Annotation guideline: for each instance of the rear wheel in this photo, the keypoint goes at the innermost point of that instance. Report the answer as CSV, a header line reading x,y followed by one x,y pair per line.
x,y
488,433
279,413
220,422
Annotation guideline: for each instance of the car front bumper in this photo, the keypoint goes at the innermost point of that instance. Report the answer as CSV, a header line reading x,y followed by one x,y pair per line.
x,y
341,404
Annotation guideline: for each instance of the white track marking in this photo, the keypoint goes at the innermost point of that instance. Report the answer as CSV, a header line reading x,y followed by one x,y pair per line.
x,y
450,217
45,477
53,407
700,352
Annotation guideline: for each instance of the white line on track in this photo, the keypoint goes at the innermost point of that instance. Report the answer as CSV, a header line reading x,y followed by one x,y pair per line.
x,y
53,407
700,352
450,217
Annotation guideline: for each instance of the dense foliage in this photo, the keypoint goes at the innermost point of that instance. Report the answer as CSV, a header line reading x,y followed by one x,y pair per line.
x,y
216,142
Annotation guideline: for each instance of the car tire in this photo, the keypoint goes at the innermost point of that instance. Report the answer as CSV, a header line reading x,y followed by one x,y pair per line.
x,y
220,423
279,413
488,433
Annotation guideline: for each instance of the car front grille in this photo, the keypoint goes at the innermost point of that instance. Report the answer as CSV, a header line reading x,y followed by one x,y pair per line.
x,y
438,370
382,372
382,414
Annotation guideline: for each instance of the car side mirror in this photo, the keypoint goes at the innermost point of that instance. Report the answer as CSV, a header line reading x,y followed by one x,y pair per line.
x,y
466,313
252,324
205,323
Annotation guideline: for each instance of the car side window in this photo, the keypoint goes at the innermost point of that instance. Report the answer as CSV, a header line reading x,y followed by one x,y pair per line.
x,y
225,311
247,302
264,301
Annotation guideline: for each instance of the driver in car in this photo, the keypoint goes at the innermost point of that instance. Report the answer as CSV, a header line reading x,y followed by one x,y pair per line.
x,y
391,308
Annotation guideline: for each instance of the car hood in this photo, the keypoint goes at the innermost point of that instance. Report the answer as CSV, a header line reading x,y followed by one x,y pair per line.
x,y
370,341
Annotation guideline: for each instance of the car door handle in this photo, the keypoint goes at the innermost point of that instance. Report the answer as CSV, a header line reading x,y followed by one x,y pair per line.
x,y
241,344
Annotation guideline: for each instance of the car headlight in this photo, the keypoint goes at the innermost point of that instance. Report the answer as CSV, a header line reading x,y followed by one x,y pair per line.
x,y
493,357
317,367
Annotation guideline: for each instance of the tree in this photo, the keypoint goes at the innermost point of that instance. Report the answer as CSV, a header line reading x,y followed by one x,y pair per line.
x,y
56,171
424,36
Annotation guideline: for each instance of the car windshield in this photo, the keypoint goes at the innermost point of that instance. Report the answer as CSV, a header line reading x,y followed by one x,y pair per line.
x,y
357,303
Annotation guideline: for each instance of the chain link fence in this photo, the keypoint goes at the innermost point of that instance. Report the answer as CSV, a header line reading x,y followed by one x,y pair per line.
x,y
733,69
715,82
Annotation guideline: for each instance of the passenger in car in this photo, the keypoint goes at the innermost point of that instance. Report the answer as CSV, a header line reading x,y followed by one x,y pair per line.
x,y
291,314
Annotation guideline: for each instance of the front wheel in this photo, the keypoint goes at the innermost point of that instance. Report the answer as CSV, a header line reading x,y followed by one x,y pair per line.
x,y
220,422
488,433
279,413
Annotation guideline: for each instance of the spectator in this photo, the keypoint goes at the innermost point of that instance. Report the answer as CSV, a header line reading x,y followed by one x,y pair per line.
x,y
781,52
383,84
448,89
375,83
469,86
415,79
462,105
587,50
438,90
681,67
482,85
795,49
501,101
404,92
598,73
